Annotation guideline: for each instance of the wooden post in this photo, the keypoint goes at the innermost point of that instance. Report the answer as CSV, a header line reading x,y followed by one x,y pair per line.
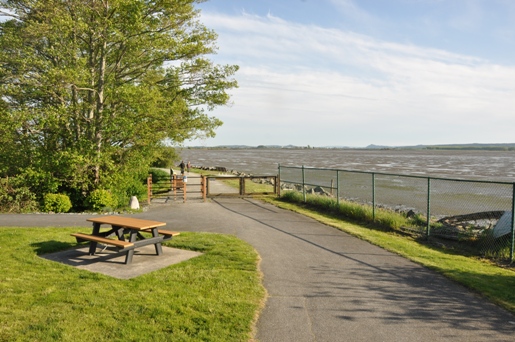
x,y
149,188
203,183
242,186
184,191
174,186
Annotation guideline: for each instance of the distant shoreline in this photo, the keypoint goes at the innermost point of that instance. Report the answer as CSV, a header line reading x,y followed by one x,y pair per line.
x,y
459,147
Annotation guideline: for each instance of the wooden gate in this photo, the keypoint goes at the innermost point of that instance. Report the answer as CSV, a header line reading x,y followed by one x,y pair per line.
x,y
202,187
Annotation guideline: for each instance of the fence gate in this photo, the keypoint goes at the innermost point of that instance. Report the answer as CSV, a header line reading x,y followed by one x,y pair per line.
x,y
240,186
175,187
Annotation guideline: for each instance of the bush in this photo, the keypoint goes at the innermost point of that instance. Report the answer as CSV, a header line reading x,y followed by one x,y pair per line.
x,y
57,203
138,189
39,182
101,200
165,155
16,198
158,175
127,186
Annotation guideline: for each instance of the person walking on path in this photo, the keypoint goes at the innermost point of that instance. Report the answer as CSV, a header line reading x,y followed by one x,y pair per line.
x,y
188,166
182,166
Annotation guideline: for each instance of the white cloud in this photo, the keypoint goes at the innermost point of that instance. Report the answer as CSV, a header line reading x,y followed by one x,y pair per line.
x,y
311,78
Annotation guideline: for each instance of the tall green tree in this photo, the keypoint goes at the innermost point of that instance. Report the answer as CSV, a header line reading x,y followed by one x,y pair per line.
x,y
91,88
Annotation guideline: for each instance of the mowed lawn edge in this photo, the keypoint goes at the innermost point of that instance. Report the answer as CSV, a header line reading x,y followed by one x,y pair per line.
x,y
214,297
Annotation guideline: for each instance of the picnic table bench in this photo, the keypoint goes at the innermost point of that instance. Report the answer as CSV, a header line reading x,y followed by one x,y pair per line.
x,y
120,226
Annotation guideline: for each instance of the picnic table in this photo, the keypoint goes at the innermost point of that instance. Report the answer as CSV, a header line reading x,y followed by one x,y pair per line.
x,y
122,226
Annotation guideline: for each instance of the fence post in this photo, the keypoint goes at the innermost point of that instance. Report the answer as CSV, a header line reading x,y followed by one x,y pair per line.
x,y
203,187
303,184
174,185
278,184
428,223
338,187
512,247
373,197
242,186
171,179
183,190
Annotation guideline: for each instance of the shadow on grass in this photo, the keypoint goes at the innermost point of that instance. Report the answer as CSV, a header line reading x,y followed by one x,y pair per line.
x,y
51,246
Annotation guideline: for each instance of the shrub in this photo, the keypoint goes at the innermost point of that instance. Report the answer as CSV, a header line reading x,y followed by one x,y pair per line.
x,y
137,189
158,175
39,182
100,200
129,186
16,198
57,203
165,155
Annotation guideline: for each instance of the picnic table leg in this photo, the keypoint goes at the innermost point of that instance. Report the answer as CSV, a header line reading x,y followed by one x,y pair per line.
x,y
119,232
93,244
130,253
159,249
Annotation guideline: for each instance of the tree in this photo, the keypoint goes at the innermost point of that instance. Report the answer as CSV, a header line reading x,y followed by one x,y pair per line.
x,y
90,89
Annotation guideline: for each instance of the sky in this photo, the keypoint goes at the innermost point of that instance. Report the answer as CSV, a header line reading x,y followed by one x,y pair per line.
x,y
357,72
360,72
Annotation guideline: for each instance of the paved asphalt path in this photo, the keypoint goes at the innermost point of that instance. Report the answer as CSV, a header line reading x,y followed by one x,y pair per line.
x,y
324,285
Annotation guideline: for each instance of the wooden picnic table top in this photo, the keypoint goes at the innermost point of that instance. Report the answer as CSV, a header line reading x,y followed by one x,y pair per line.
x,y
127,222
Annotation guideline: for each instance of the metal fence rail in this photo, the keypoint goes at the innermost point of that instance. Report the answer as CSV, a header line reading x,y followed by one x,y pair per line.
x,y
476,214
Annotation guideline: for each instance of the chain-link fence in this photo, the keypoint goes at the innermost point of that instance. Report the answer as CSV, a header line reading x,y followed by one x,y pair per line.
x,y
472,216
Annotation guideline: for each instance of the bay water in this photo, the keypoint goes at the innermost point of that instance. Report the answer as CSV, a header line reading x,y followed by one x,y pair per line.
x,y
462,164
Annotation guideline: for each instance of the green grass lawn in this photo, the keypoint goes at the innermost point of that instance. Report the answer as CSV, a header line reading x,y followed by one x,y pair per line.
x,y
213,297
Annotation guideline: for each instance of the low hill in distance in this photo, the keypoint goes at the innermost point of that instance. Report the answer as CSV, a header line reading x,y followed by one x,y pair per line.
x,y
473,146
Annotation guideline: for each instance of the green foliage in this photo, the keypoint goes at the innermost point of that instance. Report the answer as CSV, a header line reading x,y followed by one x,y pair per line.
x,y
57,203
129,183
493,248
40,182
15,197
100,199
158,175
90,91
136,188
165,157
